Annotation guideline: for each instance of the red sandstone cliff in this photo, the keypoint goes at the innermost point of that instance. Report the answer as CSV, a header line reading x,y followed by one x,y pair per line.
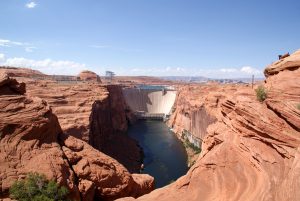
x,y
252,151
94,113
29,143
28,140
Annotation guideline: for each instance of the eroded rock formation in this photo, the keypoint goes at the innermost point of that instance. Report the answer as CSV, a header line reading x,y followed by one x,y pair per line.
x,y
252,151
94,113
29,142
99,175
87,75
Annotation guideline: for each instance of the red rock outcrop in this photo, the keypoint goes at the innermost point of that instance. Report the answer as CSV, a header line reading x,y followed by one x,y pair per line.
x,y
99,175
252,151
94,113
29,143
20,72
87,75
28,139
10,86
287,63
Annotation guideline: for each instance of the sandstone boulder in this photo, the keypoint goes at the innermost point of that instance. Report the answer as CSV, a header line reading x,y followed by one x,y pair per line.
x,y
100,176
87,75
291,62
10,86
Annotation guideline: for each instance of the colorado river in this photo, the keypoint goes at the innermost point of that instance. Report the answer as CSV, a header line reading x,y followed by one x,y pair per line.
x,y
165,157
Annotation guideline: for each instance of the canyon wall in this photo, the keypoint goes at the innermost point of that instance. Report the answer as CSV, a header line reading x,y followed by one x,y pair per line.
x,y
189,112
32,140
251,152
148,100
94,113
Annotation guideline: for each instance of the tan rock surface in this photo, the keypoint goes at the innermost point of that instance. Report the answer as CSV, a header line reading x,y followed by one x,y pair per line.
x,y
89,76
252,151
101,175
28,140
92,112
29,143
288,63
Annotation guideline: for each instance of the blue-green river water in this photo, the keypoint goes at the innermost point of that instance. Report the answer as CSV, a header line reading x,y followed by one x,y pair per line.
x,y
164,155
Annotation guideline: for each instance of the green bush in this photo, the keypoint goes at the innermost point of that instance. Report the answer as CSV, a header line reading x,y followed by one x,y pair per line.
x,y
196,149
261,93
35,187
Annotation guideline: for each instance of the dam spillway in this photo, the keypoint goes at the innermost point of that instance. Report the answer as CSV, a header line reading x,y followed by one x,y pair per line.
x,y
150,101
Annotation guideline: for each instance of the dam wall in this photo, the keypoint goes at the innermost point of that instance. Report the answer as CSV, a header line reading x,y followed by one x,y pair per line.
x,y
150,101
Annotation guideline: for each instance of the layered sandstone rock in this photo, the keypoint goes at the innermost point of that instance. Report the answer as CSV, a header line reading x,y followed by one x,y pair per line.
x,y
99,175
20,72
252,151
28,140
290,63
94,113
29,143
10,86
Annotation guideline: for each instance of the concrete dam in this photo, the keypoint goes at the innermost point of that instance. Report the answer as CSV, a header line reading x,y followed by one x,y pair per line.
x,y
150,102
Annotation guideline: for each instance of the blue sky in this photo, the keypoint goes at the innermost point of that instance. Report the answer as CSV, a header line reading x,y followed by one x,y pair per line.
x,y
215,38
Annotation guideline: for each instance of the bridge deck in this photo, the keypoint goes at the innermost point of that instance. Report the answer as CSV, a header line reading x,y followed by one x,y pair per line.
x,y
153,116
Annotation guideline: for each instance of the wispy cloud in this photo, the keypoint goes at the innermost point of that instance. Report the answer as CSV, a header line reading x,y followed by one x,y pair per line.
x,y
250,70
2,58
30,49
9,43
31,4
228,70
242,72
47,66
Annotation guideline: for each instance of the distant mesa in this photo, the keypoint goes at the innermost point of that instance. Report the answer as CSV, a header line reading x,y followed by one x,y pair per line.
x,y
87,75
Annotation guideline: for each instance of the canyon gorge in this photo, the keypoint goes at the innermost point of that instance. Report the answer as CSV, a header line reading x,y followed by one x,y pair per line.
x,y
73,132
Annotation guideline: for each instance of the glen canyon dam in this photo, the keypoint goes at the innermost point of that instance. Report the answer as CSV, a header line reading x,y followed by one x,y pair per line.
x,y
150,100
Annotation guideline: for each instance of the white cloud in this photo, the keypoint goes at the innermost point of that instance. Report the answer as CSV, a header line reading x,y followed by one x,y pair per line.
x,y
30,49
242,72
9,43
228,70
250,70
2,57
31,4
48,66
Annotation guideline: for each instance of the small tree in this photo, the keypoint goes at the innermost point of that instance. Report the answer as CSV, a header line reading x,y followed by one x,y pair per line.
x,y
37,188
261,93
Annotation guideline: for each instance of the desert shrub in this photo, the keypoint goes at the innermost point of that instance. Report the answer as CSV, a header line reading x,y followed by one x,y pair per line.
x,y
196,149
261,93
35,187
